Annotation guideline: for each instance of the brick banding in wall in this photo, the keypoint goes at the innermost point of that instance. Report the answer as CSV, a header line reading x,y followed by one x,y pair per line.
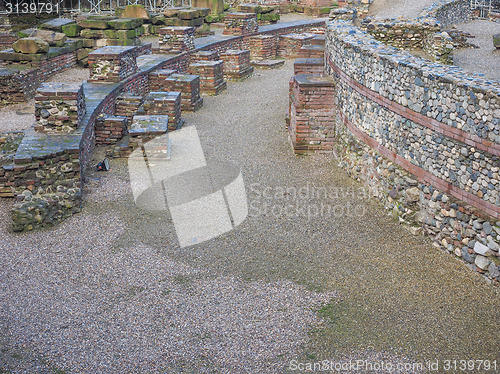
x,y
424,138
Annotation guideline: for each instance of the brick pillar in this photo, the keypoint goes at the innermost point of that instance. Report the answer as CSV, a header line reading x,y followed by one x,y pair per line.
x,y
309,66
236,64
59,107
110,129
312,110
203,56
289,45
127,105
176,39
157,79
263,47
211,75
189,87
165,103
312,51
240,23
112,64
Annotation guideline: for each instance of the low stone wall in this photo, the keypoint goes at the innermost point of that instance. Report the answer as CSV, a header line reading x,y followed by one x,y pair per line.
x,y
448,12
438,123
405,34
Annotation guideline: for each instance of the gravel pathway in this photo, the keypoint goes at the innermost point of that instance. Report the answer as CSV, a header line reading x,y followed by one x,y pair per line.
x,y
111,291
398,8
486,58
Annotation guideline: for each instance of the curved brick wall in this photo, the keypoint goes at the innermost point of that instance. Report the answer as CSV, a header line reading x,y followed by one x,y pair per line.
x,y
439,122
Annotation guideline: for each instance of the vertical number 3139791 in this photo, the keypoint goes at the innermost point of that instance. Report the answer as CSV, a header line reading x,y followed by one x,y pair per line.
x,y
31,7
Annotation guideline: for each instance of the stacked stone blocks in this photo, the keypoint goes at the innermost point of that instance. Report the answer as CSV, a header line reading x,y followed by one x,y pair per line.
x,y
289,45
110,129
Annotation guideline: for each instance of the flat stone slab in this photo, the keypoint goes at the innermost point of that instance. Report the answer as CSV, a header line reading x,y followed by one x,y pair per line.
x,y
148,125
267,64
56,24
112,50
314,80
58,89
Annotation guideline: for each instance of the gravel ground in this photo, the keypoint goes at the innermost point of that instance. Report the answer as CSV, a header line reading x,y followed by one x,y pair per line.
x,y
111,291
486,58
21,116
398,8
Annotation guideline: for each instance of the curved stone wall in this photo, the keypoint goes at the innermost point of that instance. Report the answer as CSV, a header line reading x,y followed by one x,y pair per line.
x,y
439,122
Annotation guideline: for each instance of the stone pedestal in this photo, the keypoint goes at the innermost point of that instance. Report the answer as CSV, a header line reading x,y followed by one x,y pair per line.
x,y
312,122
309,66
289,45
59,107
236,64
240,23
204,56
211,75
112,64
263,47
176,39
165,103
189,87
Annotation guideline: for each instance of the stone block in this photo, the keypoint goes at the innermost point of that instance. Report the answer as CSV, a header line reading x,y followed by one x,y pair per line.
x,y
71,30
125,23
211,75
135,11
311,126
189,87
215,6
30,46
236,64
93,24
263,47
57,24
